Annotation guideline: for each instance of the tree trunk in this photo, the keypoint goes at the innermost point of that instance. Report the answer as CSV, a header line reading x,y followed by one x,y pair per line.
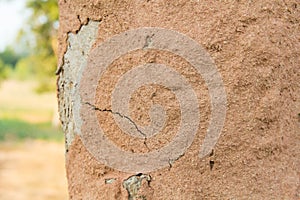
x,y
180,99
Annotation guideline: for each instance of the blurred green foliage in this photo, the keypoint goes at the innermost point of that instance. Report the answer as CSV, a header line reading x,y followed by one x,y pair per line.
x,y
43,24
4,70
8,60
17,130
9,57
39,35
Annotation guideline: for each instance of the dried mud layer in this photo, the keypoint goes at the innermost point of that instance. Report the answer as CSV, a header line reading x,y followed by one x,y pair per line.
x,y
255,46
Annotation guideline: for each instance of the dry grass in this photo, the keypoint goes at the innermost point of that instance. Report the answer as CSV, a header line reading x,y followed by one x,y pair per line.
x,y
19,101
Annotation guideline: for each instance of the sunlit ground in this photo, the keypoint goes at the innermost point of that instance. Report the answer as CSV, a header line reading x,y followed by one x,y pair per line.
x,y
31,147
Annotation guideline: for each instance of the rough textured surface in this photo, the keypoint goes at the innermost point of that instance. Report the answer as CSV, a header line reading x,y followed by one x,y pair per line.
x,y
255,46
79,46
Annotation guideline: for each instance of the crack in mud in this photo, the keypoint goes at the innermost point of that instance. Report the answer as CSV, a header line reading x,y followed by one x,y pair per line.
x,y
123,116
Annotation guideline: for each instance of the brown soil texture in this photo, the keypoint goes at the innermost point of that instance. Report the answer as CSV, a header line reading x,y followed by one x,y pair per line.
x,y
255,46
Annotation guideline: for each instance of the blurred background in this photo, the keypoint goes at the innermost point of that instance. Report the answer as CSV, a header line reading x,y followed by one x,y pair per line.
x,y
31,140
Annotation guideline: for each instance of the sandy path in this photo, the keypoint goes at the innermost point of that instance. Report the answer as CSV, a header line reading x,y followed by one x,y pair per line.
x,y
32,170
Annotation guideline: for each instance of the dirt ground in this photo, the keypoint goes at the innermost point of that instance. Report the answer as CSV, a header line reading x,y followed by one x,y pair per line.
x,y
32,170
